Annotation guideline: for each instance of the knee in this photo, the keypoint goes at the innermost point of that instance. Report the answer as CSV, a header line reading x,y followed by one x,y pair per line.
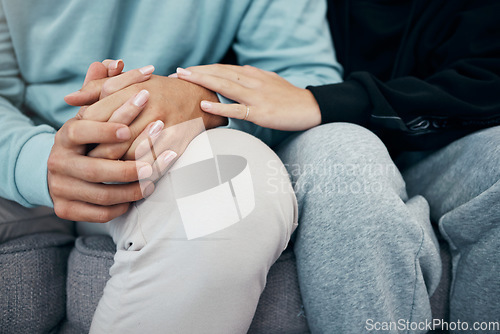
x,y
227,185
338,142
265,195
341,159
482,149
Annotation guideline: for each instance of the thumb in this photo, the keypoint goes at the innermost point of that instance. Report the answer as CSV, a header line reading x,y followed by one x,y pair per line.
x,y
91,89
96,71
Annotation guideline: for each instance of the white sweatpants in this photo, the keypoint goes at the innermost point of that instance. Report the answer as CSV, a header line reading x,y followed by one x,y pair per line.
x,y
193,257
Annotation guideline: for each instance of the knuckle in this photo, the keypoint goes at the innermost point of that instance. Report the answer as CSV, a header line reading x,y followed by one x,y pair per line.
x,y
104,215
110,152
86,112
103,197
81,113
52,162
57,138
55,186
71,132
61,210
108,87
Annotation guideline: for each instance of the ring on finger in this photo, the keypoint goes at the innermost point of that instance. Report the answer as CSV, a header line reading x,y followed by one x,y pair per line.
x,y
248,112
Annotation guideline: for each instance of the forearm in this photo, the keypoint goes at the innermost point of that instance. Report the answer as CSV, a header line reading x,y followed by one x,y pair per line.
x,y
417,113
24,150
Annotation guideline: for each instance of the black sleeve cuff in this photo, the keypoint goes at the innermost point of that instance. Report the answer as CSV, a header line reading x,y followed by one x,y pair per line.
x,y
343,102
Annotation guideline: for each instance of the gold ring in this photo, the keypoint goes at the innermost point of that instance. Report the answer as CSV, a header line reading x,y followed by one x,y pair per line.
x,y
248,112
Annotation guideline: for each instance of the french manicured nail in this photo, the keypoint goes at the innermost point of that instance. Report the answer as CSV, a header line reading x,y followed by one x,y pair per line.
x,y
146,70
165,159
156,128
173,75
148,190
205,105
114,64
183,71
123,133
141,98
145,172
74,94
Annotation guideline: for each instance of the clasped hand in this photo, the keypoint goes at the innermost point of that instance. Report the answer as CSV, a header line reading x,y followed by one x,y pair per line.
x,y
119,114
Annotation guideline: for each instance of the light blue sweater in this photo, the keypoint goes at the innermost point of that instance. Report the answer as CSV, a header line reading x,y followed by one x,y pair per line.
x,y
46,47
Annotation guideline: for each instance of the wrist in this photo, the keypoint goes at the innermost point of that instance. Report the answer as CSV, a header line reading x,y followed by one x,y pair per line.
x,y
311,107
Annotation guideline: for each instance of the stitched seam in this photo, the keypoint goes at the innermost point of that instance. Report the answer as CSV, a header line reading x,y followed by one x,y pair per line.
x,y
450,241
443,231
416,279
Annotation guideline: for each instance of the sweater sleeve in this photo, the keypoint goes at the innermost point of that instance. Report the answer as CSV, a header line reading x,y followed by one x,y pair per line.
x,y
24,147
291,38
457,96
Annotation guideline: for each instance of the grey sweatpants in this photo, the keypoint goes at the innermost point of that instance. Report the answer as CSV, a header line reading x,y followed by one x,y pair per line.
x,y
366,252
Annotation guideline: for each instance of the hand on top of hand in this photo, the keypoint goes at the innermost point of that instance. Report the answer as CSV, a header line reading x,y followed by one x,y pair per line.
x,y
263,97
77,182
121,111
170,101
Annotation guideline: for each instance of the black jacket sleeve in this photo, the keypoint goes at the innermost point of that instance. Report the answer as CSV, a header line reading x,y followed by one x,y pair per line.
x,y
445,87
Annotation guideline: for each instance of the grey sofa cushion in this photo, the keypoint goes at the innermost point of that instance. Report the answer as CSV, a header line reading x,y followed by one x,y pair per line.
x,y
280,305
32,281
279,309
88,272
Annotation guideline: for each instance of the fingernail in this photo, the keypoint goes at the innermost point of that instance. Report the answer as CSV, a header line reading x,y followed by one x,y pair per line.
x,y
141,98
123,133
183,71
74,94
149,190
173,75
146,70
156,128
205,105
145,172
114,64
165,159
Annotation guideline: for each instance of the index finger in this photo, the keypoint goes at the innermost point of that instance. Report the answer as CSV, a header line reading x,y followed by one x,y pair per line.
x,y
103,170
231,89
81,132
